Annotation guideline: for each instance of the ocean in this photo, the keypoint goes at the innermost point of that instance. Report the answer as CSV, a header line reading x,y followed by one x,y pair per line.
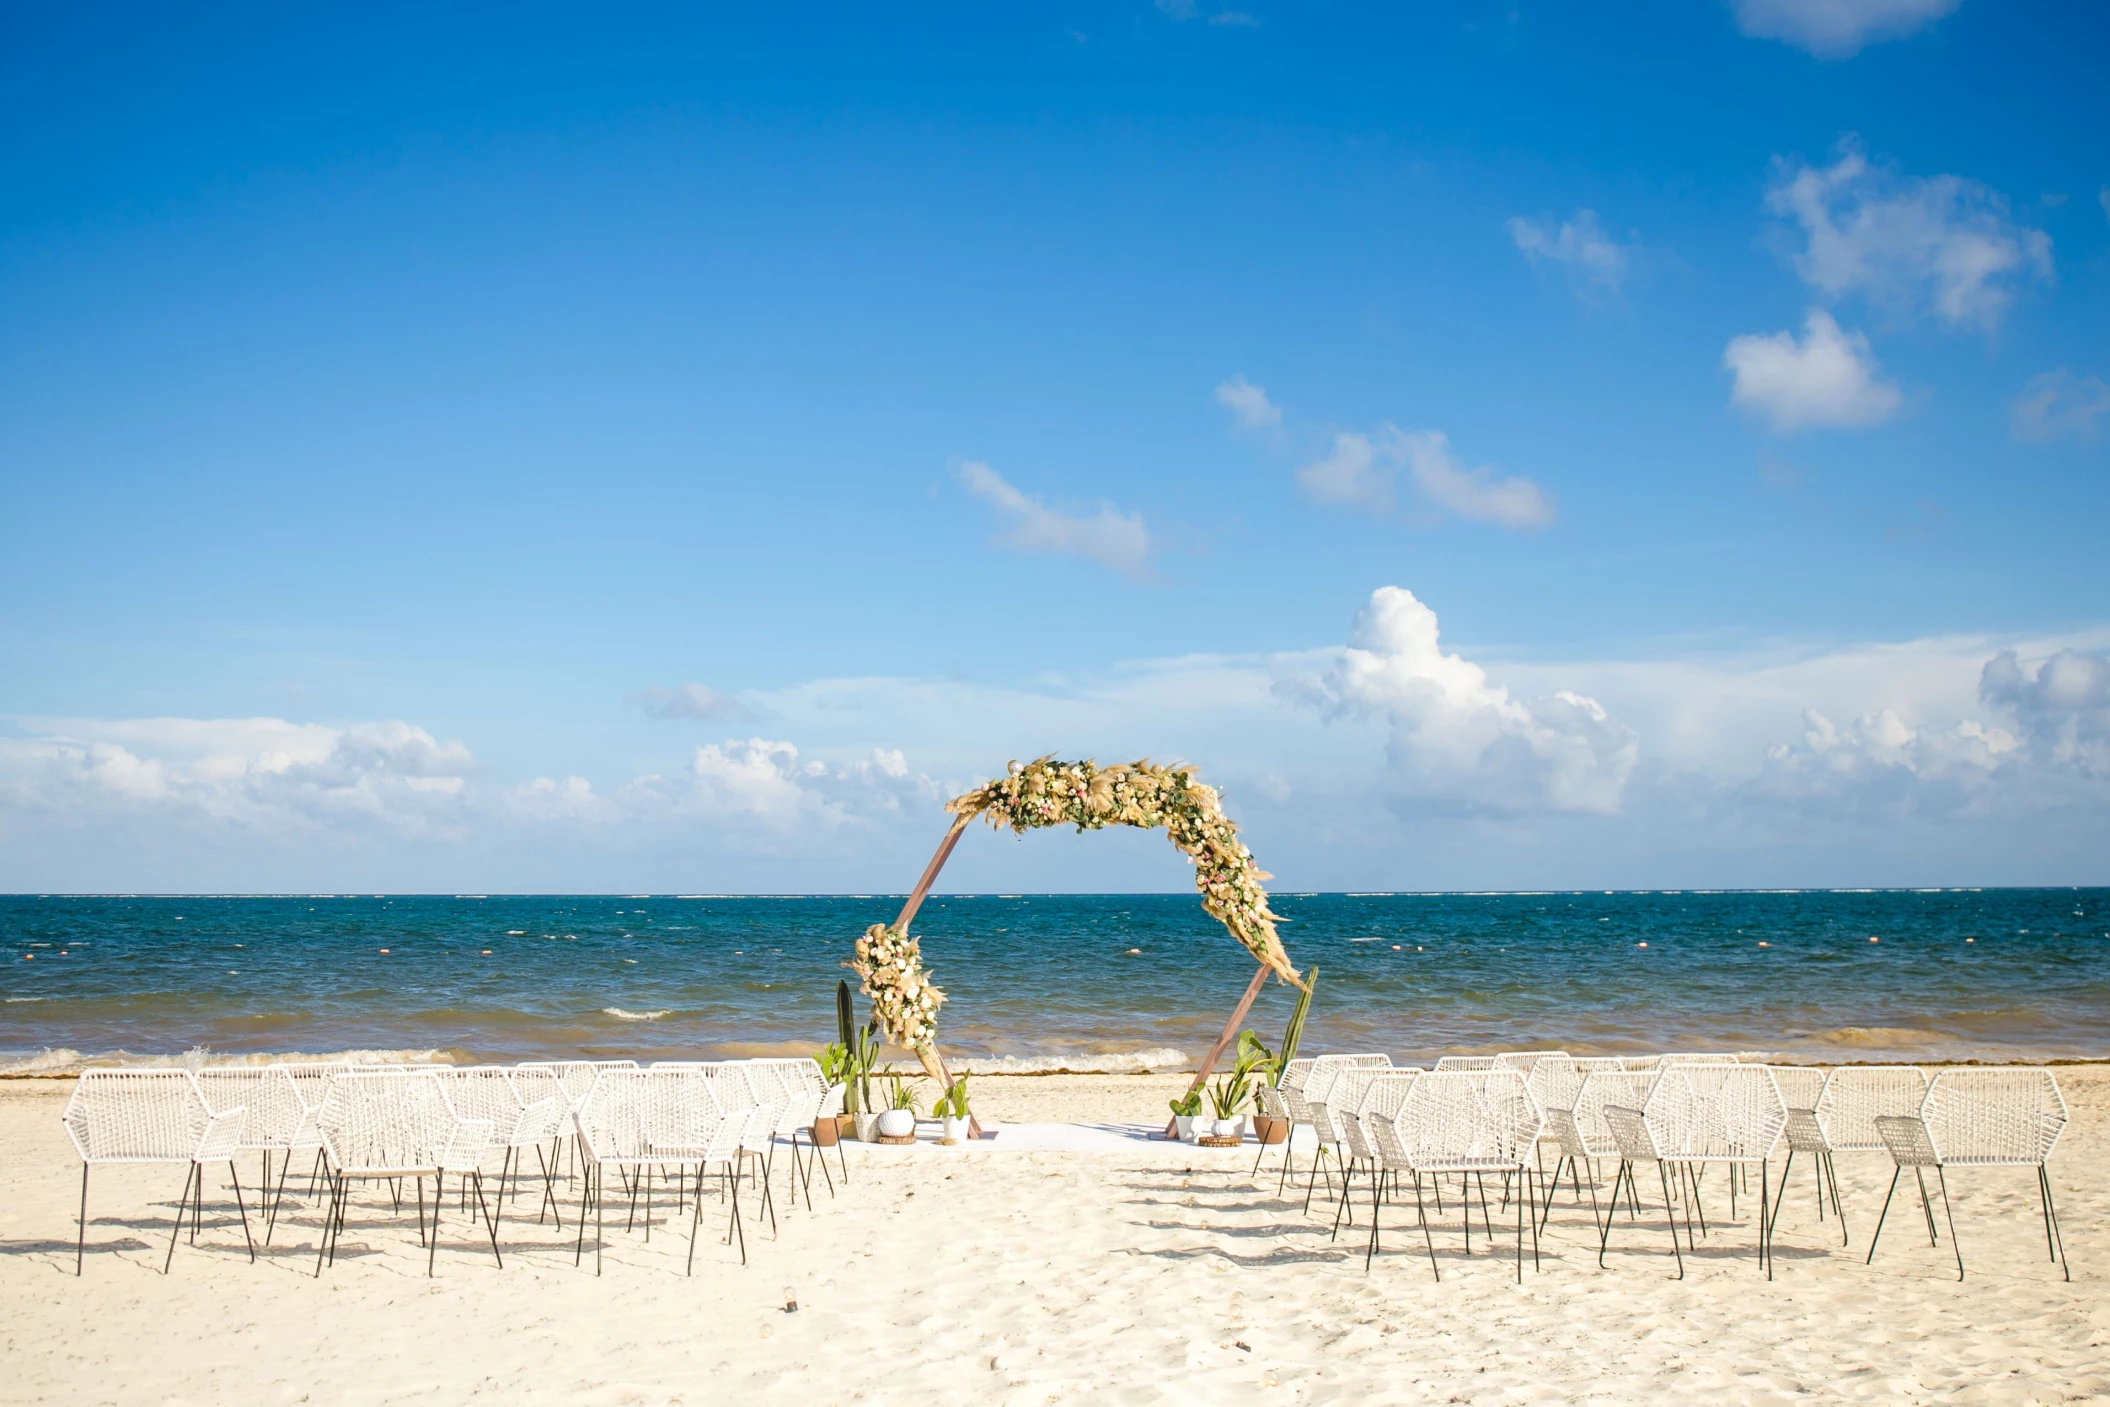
x,y
1079,982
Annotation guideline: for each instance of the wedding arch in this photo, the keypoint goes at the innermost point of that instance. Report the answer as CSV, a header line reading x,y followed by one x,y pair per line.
x,y
1045,792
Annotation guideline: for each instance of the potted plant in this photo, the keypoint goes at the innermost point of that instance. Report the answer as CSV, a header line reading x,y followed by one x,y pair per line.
x,y
899,1118
1185,1111
1272,1068
834,1060
857,1085
1251,1063
1226,1098
952,1111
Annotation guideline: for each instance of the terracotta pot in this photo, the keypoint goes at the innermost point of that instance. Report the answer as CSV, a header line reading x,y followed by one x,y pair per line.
x,y
1269,1130
825,1133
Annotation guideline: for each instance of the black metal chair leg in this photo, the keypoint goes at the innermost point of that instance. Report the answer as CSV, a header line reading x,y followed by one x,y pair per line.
x,y
1670,1213
1926,1206
490,1218
80,1250
1880,1216
242,1211
1950,1216
2051,1216
432,1246
182,1206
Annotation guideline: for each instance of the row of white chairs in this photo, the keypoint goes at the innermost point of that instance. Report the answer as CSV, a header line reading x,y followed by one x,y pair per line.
x,y
401,1123
1480,1115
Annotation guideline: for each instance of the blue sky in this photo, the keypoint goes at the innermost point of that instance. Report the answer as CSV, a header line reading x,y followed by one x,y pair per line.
x,y
525,449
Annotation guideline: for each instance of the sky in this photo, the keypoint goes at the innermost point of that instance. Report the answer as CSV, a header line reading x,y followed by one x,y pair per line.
x,y
674,449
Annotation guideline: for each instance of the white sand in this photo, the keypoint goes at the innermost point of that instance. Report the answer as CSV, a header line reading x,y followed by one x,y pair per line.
x,y
1149,1272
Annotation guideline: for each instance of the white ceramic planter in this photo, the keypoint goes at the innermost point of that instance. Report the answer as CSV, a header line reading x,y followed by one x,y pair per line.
x,y
897,1123
1230,1128
1183,1125
955,1130
867,1126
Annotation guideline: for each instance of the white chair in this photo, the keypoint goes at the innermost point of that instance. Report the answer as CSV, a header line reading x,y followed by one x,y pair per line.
x,y
1318,1083
1448,1063
1855,1096
1344,1097
1997,1118
1802,1090
642,1121
276,1120
1471,1123
1732,1116
1636,1145
493,1092
396,1122
738,1095
1290,1093
1379,1107
153,1116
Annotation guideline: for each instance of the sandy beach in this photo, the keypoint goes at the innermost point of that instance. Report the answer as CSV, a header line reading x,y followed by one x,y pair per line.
x,y
1131,1272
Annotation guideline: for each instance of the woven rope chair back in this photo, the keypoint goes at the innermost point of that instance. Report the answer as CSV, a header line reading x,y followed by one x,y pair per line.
x,y
1855,1096
794,1103
1524,1061
1629,1088
1994,1118
1586,1065
1327,1068
486,1092
533,1083
1801,1086
1564,1131
626,1111
1446,1064
139,1116
1342,1102
1292,1089
1630,1135
1468,1120
1381,1105
1293,1073
275,1116
1665,1062
707,1129
1639,1062
1716,1113
1554,1080
385,1120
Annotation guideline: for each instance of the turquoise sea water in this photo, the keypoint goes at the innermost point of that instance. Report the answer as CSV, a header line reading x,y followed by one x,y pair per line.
x,y
1049,979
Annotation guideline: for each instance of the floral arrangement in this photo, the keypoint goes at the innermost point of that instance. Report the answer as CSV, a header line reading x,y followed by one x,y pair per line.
x,y
904,999
1090,797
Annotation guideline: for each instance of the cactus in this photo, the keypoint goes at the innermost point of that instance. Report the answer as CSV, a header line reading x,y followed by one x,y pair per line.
x,y
1295,1032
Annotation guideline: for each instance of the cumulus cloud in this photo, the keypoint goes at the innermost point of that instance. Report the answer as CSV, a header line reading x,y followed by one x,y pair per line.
x,y
1828,379
1458,738
1109,537
1363,471
1248,404
263,774
1837,29
687,701
758,780
2061,708
1942,242
1579,247
2058,403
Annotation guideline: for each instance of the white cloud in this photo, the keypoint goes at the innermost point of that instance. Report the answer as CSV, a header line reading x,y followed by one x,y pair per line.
x,y
1828,379
2062,706
2058,403
1456,737
1363,469
1903,241
688,701
1109,537
1248,404
1578,246
1837,29
259,774
765,782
